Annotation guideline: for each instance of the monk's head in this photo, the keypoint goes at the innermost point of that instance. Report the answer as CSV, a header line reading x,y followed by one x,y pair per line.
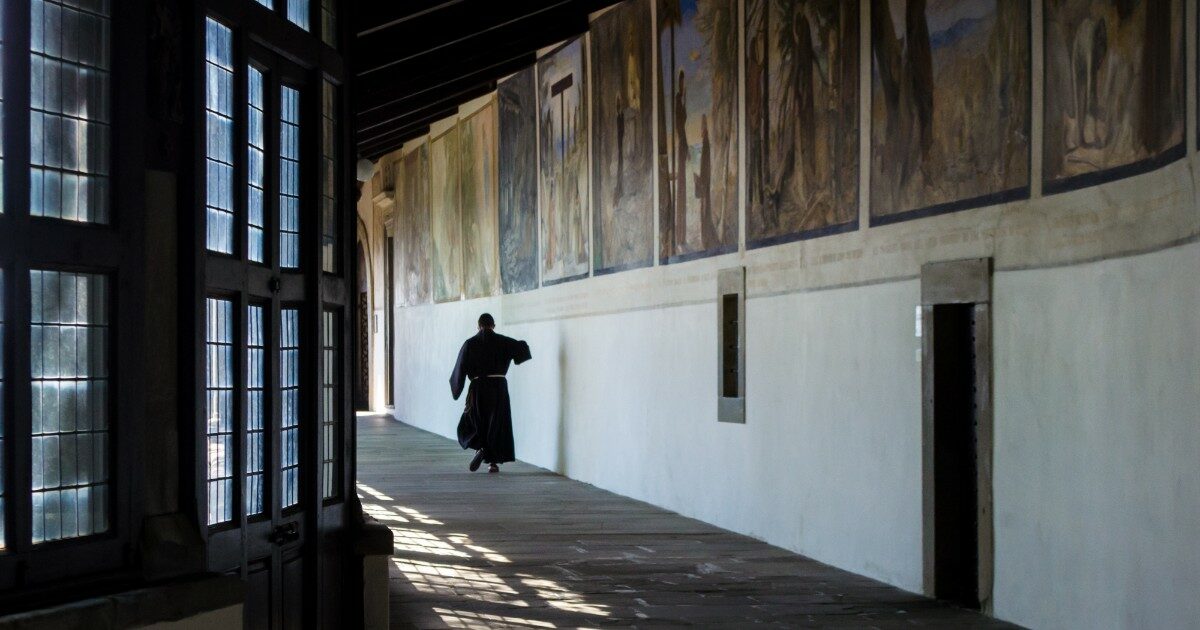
x,y
486,322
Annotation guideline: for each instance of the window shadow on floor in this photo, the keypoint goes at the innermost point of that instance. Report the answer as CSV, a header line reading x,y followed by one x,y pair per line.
x,y
434,563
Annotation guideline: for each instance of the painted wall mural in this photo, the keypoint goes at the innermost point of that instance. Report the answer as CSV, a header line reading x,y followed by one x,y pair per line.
x,y
517,161
802,65
1114,101
563,164
528,191
697,80
481,251
445,217
412,233
950,105
622,140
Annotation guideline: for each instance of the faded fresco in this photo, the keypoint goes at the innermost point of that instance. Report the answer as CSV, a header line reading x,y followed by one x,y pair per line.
x,y
517,157
697,83
622,140
412,231
1114,88
445,217
802,158
950,105
563,167
481,252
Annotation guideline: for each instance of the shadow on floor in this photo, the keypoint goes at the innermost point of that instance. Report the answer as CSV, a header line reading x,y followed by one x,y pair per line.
x,y
530,549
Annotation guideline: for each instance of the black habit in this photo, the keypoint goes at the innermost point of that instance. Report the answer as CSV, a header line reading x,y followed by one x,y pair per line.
x,y
486,422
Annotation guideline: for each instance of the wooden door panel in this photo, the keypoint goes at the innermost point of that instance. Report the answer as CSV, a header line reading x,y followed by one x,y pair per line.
x,y
293,600
258,597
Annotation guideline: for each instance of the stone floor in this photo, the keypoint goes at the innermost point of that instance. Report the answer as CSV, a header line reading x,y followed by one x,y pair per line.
x,y
529,549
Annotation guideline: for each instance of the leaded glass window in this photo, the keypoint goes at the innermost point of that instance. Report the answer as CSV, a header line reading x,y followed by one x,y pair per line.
x,y
3,393
255,146
69,113
256,349
329,162
297,13
2,10
330,407
329,22
218,105
289,386
69,341
219,410
289,178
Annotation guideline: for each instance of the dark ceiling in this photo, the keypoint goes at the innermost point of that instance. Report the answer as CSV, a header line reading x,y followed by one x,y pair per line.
x,y
416,61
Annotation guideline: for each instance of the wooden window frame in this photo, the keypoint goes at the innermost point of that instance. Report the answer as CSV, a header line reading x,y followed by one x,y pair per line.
x,y
286,55
115,249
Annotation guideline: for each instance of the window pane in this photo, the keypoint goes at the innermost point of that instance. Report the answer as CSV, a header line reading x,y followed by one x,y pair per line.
x,y
3,393
69,110
219,410
2,11
265,3
329,178
329,22
255,408
297,12
289,178
218,105
69,355
255,118
289,389
330,407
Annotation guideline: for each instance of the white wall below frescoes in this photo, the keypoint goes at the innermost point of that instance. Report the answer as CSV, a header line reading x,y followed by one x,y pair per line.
x,y
1095,474
1097,443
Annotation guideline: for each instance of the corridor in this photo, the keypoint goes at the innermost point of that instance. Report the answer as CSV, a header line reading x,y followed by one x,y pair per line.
x,y
531,549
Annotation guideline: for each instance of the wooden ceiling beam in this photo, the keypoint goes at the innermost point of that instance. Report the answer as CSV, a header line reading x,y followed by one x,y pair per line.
x,y
472,24
383,15
365,134
461,88
371,145
402,80
416,64
393,95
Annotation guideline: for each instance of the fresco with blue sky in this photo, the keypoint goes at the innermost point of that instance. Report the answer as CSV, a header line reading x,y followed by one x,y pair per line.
x,y
950,105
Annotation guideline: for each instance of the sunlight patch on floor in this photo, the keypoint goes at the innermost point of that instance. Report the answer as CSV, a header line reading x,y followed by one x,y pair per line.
x,y
483,621
425,560
457,580
373,492
563,598
464,541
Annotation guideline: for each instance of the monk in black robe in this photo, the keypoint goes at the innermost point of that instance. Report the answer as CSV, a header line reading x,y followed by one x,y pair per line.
x,y
486,423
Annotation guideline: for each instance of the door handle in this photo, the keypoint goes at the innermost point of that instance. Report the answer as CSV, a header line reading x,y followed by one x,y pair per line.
x,y
286,533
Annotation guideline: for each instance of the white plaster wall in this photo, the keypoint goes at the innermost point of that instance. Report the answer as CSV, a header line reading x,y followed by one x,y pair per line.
x,y
1097,467
828,463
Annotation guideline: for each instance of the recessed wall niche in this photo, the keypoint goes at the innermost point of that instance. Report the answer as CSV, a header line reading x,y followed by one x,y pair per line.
x,y
731,345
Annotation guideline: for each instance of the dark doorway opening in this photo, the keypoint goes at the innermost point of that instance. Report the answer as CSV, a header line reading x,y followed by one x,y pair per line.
x,y
389,321
955,456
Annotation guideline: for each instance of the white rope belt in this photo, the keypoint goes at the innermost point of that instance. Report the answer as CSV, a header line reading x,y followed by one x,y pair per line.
x,y
490,376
